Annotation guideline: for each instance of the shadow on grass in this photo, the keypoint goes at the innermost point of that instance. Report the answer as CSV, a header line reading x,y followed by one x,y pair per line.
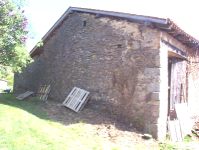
x,y
32,105
54,112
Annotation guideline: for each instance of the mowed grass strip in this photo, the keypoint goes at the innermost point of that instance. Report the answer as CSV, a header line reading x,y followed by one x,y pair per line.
x,y
24,126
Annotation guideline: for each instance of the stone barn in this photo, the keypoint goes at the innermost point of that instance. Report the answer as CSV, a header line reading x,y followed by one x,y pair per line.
x,y
135,67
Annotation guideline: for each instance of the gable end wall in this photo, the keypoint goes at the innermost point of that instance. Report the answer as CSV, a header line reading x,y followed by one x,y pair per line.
x,y
117,61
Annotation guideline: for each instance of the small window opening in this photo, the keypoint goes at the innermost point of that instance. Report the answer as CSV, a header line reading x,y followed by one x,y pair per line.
x,y
119,45
84,23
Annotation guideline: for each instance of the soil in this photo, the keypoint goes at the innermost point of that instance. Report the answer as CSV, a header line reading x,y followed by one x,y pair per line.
x,y
113,132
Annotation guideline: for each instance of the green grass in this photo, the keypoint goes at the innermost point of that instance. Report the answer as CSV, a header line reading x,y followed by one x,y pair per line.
x,y
187,144
24,126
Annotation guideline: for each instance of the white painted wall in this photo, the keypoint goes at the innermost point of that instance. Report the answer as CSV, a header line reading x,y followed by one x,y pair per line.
x,y
3,85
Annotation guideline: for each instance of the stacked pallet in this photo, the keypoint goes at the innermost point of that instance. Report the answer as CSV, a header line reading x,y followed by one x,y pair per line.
x,y
43,92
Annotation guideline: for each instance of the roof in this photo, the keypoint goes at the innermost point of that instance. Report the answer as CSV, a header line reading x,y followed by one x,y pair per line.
x,y
160,23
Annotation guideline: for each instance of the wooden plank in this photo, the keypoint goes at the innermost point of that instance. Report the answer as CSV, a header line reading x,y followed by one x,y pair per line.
x,y
24,95
184,118
174,130
83,102
46,93
68,99
79,97
178,82
76,99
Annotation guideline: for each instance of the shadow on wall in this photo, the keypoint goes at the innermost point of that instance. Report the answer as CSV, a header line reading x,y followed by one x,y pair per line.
x,y
53,111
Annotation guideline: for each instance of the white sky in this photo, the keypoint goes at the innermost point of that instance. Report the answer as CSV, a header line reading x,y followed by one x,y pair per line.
x,y
42,14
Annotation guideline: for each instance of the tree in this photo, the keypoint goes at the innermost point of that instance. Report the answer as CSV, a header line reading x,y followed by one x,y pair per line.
x,y
13,35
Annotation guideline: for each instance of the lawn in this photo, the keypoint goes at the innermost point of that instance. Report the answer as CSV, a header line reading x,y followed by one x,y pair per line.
x,y
24,126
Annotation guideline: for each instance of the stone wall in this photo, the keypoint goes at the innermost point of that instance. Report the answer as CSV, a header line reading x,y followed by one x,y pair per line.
x,y
193,80
117,61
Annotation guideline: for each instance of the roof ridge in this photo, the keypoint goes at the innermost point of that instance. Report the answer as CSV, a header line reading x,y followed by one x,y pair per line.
x,y
166,25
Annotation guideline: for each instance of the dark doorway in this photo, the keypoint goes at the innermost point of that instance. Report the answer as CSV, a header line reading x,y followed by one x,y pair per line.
x,y
176,82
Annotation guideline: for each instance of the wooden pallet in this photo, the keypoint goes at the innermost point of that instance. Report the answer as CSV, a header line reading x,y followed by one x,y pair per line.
x,y
43,92
24,95
76,99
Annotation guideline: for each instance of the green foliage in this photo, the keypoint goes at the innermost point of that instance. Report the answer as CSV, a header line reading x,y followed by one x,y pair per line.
x,y
21,58
187,144
4,71
7,74
13,36
40,44
167,146
10,79
188,138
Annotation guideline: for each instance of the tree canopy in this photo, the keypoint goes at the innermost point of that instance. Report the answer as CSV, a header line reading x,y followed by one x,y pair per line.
x,y
13,36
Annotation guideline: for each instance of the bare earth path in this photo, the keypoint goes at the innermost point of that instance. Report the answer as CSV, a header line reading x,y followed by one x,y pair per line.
x,y
101,124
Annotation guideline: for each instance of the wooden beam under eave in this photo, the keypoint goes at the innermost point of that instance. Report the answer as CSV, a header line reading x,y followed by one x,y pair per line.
x,y
176,55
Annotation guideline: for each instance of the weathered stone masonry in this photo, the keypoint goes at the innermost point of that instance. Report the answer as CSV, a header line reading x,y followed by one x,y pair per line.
x,y
117,61
122,63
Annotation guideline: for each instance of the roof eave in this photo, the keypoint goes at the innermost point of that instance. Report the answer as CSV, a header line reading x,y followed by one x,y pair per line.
x,y
52,28
126,16
163,24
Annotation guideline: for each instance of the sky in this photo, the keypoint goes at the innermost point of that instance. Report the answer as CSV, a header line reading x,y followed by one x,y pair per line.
x,y
42,14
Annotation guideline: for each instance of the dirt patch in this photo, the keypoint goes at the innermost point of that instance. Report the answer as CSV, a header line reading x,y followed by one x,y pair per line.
x,y
102,124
